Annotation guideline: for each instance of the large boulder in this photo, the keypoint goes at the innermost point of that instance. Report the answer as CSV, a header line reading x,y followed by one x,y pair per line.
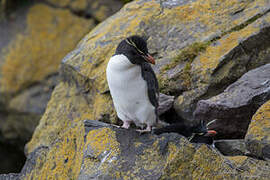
x,y
234,108
96,150
258,134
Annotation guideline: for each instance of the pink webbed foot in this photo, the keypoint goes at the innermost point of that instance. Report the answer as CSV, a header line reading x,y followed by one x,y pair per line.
x,y
125,125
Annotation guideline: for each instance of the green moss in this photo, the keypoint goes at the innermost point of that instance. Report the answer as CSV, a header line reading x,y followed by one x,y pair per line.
x,y
164,83
187,54
186,75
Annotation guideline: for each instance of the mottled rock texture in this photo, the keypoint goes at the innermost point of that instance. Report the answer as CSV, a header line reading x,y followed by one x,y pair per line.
x,y
34,39
96,150
232,147
234,108
200,46
258,135
31,50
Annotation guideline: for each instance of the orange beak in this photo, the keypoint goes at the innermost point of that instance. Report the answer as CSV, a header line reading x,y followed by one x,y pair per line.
x,y
150,59
210,133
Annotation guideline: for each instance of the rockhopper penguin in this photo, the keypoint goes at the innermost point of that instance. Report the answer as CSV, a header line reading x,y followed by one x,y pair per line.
x,y
133,84
196,133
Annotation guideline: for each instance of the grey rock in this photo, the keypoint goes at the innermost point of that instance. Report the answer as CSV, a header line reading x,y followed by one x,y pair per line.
x,y
235,147
34,100
165,103
10,176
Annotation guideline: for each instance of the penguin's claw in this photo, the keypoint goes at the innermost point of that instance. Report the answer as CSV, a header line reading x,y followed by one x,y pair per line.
x,y
116,126
148,129
124,126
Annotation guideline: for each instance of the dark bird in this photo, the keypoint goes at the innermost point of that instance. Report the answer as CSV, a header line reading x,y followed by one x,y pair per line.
x,y
197,133
133,84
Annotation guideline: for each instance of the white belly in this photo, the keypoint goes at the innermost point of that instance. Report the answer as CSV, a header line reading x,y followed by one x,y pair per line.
x,y
129,91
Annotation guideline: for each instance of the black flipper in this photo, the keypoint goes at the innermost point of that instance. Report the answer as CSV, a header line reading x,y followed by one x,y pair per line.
x,y
152,84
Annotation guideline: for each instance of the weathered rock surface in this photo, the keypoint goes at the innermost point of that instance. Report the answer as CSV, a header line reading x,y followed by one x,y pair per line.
x,y
231,38
165,103
232,147
36,51
97,9
34,39
234,108
258,134
95,150
200,47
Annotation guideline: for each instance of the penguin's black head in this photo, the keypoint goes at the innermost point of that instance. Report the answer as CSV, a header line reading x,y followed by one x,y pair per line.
x,y
200,134
135,49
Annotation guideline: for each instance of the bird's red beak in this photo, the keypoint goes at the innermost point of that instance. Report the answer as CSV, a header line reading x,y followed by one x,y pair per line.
x,y
150,59
211,133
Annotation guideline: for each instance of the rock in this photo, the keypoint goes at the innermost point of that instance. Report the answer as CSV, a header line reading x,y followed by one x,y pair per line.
x,y
10,176
34,39
99,10
165,103
35,51
258,134
233,147
223,62
234,108
104,152
34,99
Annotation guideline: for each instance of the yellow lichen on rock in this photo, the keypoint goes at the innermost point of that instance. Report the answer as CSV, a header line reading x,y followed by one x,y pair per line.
x,y
79,4
64,108
104,140
64,158
208,164
259,127
37,52
102,151
209,60
177,164
257,137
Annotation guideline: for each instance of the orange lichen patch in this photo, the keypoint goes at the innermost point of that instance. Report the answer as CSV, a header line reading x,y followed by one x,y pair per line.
x,y
259,127
37,52
64,159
